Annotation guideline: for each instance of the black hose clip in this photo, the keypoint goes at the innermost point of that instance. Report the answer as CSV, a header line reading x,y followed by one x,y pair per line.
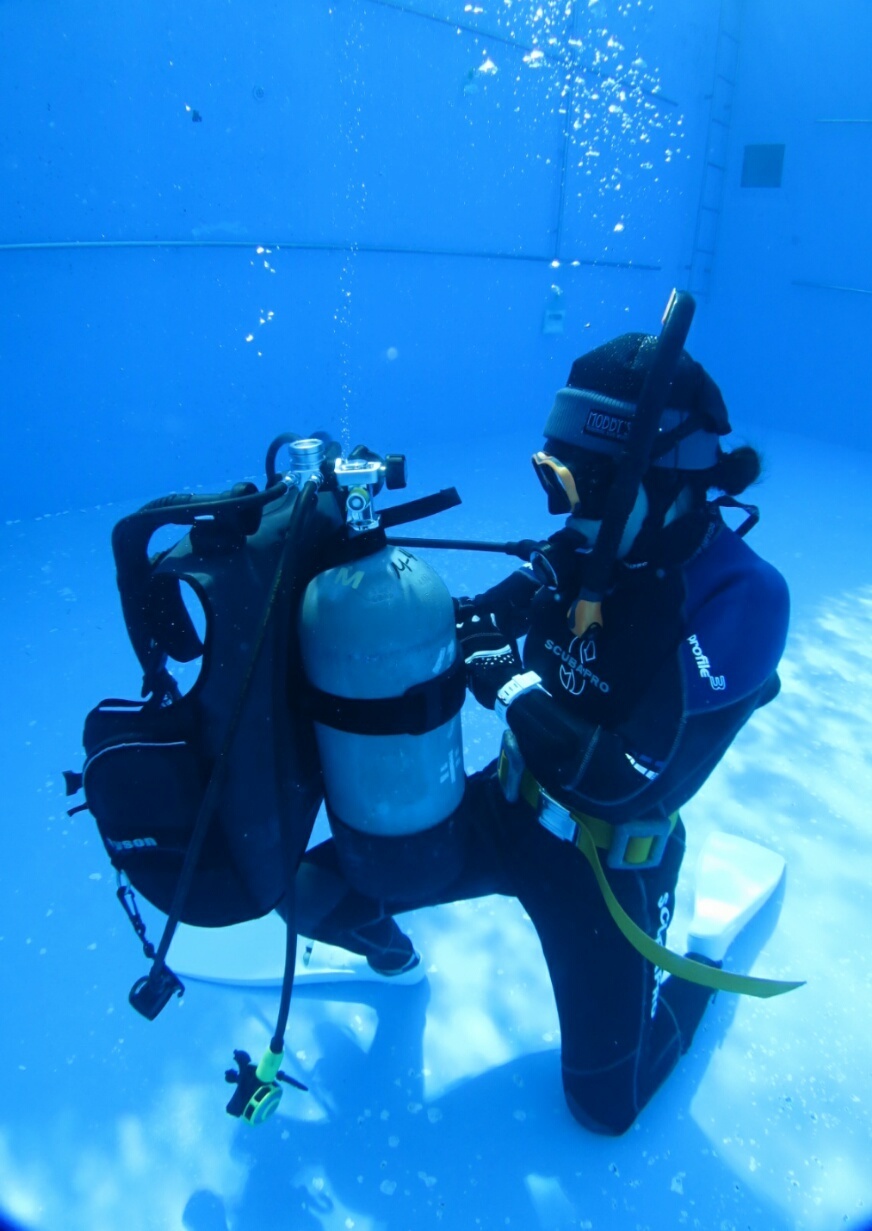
x,y
151,994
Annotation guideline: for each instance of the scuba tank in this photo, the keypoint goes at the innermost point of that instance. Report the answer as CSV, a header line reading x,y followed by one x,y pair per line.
x,y
386,684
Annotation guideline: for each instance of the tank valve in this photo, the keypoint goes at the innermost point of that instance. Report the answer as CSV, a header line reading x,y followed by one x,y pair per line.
x,y
362,478
306,458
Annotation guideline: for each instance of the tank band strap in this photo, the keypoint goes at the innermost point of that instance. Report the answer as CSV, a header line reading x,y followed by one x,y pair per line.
x,y
420,709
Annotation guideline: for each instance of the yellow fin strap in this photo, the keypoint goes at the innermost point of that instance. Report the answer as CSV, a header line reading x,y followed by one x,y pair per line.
x,y
682,967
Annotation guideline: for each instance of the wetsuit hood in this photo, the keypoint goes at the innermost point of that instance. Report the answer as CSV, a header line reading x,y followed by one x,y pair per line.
x,y
595,410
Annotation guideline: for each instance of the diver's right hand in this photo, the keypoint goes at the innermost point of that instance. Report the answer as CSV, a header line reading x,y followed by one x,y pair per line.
x,y
476,630
488,670
490,660
510,601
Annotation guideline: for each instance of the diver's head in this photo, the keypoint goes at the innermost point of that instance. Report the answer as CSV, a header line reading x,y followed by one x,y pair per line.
x,y
590,422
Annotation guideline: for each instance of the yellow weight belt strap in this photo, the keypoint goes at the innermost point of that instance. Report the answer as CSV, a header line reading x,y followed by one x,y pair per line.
x,y
638,849
594,832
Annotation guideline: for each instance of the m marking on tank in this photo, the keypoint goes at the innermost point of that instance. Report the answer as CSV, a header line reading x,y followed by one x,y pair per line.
x,y
345,577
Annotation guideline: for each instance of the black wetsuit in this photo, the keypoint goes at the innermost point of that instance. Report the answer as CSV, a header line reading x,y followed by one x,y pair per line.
x,y
631,729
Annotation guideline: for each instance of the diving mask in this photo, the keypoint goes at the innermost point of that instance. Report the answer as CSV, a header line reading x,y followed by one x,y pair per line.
x,y
583,490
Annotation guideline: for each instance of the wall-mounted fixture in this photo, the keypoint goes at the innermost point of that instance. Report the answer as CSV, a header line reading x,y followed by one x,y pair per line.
x,y
762,166
555,313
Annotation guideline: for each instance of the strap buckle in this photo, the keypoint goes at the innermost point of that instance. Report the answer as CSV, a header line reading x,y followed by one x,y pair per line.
x,y
555,818
621,855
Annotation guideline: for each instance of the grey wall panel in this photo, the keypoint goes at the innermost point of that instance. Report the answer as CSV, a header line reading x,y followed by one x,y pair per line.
x,y
354,122
435,163
128,373
829,212
316,123
355,130
791,300
637,124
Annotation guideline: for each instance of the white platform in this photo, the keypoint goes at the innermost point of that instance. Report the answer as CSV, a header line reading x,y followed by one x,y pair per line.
x,y
735,878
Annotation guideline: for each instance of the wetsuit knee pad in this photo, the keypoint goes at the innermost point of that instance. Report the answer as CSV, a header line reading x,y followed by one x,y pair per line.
x,y
603,1102
401,868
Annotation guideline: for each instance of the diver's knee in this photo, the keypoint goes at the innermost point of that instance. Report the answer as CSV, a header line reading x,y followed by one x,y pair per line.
x,y
410,867
318,890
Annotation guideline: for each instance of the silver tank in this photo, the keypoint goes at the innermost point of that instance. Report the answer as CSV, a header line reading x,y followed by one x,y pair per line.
x,y
371,629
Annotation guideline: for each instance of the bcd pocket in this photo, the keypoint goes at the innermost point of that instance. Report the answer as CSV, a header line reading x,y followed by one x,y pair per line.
x,y
145,779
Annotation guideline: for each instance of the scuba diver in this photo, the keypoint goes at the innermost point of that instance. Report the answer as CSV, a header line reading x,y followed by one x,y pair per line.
x,y
639,666
333,666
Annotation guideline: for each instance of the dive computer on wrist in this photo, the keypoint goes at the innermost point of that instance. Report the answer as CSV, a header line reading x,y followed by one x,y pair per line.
x,y
526,681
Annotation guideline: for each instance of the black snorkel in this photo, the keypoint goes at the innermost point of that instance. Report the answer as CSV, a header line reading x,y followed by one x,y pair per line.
x,y
585,615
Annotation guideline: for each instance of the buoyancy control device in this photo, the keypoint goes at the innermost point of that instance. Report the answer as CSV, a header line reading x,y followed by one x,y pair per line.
x,y
148,764
205,801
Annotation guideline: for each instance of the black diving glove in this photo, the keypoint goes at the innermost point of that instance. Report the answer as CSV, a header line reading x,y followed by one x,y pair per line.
x,y
490,660
509,601
560,563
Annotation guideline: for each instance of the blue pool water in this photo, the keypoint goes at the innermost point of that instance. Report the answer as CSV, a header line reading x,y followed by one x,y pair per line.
x,y
219,222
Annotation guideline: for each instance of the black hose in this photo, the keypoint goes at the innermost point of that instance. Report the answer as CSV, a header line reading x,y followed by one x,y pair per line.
x,y
131,535
523,548
183,508
277,1043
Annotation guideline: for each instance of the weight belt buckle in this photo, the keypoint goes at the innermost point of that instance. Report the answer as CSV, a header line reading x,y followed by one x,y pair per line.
x,y
555,818
656,831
